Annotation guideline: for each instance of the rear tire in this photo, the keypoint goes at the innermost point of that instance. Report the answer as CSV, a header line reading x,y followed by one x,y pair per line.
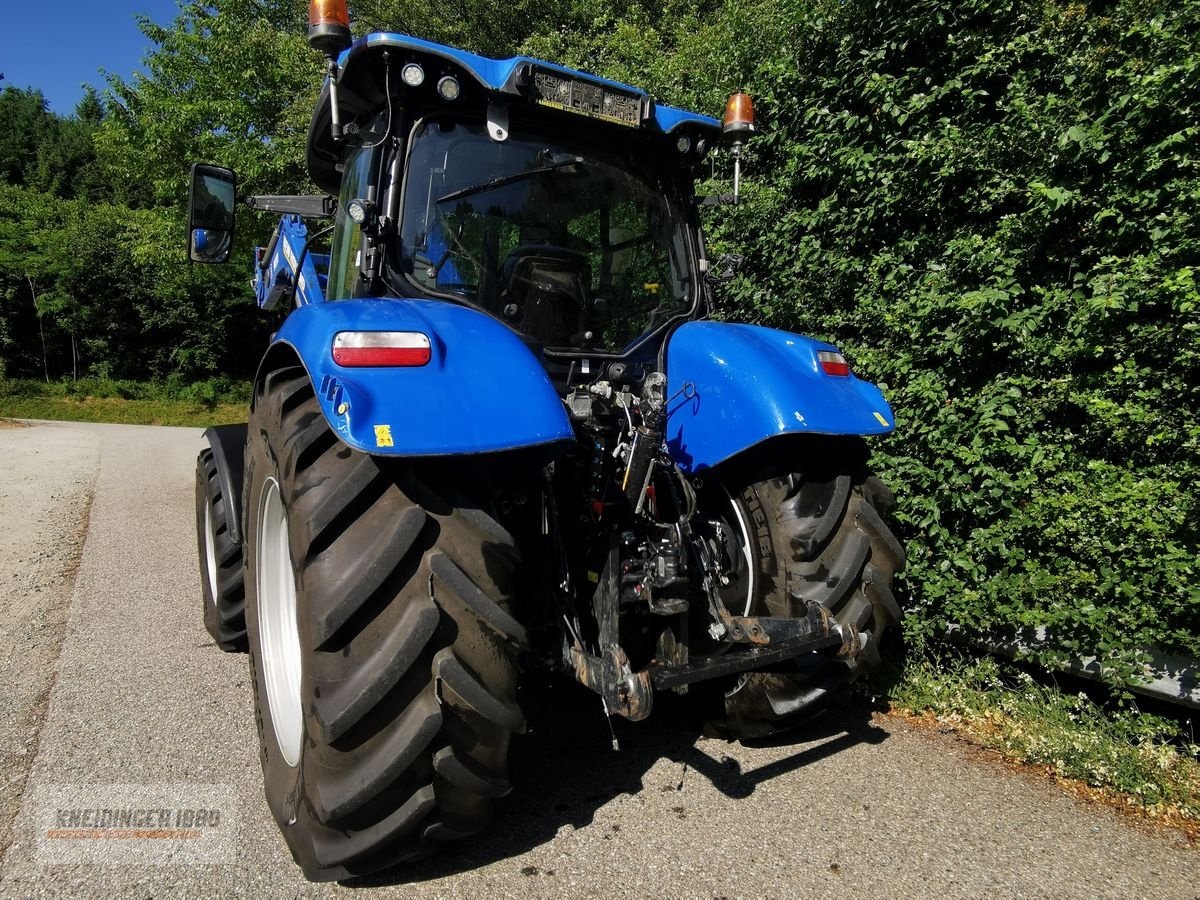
x,y
392,737
813,532
221,575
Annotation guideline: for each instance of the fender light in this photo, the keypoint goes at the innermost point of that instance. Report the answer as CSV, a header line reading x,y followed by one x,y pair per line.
x,y
361,349
833,363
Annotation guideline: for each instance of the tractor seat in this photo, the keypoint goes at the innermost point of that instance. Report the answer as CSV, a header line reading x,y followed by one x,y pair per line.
x,y
544,291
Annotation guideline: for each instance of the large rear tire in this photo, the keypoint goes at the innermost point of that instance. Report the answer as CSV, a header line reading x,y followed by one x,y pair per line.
x,y
809,526
221,576
382,646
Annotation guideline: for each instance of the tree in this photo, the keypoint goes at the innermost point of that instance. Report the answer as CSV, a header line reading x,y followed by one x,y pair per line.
x,y
51,153
231,82
26,120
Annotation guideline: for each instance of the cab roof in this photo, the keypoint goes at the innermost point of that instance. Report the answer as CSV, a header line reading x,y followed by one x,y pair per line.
x,y
358,90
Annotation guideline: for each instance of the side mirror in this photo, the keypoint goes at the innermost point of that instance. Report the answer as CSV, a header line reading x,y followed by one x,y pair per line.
x,y
725,268
210,213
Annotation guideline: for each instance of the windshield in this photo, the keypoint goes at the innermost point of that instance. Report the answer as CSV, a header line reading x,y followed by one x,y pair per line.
x,y
575,247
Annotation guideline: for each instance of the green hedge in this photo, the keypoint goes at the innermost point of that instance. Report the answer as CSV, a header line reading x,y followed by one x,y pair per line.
x,y
993,207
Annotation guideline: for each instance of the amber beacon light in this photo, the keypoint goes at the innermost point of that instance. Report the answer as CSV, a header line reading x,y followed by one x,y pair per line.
x,y
738,125
328,26
329,32
739,115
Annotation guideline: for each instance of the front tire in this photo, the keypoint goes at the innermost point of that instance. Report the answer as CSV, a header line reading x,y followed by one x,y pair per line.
x,y
384,667
809,522
220,560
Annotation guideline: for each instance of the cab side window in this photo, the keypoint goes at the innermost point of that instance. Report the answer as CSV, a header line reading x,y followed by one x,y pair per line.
x,y
347,237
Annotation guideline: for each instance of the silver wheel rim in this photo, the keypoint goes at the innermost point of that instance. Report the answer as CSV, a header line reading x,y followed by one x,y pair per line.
x,y
210,551
278,634
744,544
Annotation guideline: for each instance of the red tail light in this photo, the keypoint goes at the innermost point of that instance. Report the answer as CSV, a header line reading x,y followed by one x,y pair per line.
x,y
833,363
359,349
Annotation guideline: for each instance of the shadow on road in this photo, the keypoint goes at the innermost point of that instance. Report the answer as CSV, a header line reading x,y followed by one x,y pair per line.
x,y
565,769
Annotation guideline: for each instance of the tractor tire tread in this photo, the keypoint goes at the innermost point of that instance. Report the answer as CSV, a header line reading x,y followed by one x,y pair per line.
x,y
224,614
407,642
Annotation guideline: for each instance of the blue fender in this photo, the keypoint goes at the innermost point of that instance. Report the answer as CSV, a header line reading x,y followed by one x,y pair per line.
x,y
734,386
483,390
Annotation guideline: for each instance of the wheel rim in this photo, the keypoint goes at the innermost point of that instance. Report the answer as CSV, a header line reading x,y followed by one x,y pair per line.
x,y
742,531
210,552
278,633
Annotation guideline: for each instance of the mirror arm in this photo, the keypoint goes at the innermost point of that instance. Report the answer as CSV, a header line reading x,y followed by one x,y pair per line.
x,y
311,207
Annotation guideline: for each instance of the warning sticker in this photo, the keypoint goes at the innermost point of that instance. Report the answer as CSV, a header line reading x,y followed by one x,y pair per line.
x,y
383,436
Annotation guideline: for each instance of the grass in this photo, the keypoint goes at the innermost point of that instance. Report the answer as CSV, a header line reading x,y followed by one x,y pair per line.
x,y
1152,762
217,401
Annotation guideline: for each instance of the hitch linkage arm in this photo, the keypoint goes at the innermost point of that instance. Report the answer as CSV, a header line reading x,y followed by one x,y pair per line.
x,y
770,639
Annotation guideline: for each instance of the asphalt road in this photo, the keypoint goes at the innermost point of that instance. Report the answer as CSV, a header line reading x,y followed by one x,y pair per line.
x,y
116,682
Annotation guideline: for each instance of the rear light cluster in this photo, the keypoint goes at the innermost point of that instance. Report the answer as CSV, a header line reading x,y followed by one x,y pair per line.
x,y
833,363
362,349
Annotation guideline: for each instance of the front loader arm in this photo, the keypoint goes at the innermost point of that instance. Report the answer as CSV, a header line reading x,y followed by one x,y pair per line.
x,y
275,273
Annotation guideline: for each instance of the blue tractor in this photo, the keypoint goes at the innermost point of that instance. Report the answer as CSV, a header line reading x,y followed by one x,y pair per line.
x,y
496,434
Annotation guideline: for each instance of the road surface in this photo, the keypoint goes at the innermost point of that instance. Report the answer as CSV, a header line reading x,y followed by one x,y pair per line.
x,y
113,680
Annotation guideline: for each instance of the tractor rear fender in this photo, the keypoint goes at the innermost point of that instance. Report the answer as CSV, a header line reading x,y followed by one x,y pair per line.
x,y
731,387
228,444
481,391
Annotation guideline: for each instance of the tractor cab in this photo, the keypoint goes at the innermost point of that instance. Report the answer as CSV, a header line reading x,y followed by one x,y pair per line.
x,y
559,203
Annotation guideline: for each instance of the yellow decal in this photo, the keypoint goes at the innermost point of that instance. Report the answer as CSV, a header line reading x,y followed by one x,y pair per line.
x,y
882,420
593,577
383,436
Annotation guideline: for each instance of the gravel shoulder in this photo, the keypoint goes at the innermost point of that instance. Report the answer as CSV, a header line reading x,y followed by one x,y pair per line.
x,y
857,804
46,487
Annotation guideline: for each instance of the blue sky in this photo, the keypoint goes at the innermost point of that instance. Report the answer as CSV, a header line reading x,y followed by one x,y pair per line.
x,y
57,45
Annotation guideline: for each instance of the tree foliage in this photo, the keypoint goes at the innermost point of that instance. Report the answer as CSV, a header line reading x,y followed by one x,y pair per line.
x,y
102,289
995,207
51,153
231,82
